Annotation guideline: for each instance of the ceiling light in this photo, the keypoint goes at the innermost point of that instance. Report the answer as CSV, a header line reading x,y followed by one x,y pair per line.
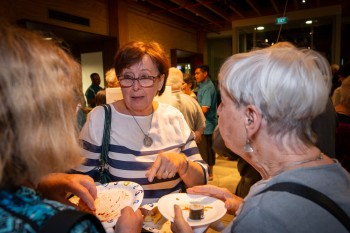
x,y
308,22
260,28
304,1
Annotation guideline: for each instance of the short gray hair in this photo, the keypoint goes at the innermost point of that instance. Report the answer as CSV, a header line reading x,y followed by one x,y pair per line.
x,y
289,86
175,78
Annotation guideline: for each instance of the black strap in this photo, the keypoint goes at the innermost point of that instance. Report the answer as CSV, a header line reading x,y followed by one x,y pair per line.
x,y
63,221
104,173
313,195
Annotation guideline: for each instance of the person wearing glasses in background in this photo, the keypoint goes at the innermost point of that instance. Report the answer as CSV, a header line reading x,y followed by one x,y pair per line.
x,y
151,143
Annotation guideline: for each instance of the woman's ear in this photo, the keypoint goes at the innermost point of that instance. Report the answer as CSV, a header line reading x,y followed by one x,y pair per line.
x,y
161,82
252,120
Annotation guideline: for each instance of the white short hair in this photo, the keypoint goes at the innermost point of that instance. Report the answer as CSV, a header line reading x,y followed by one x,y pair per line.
x,y
175,78
111,78
288,85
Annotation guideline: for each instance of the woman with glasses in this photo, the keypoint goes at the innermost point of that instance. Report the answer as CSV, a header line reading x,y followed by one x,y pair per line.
x,y
150,143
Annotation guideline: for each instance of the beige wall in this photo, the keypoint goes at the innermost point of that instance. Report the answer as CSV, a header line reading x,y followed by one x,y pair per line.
x,y
37,10
131,24
138,27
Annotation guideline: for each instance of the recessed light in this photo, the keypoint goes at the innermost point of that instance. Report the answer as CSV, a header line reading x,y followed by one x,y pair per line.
x,y
260,28
308,22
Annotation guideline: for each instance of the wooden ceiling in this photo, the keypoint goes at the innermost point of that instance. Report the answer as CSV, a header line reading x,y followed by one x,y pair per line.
x,y
217,15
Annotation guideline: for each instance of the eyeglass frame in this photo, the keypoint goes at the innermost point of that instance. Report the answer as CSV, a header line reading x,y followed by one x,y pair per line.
x,y
138,79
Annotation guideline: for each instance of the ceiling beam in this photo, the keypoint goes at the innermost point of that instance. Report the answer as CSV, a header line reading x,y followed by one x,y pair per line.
x,y
195,9
211,6
236,11
252,5
273,3
166,7
296,6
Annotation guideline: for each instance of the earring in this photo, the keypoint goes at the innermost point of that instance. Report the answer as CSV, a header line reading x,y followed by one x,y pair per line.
x,y
247,147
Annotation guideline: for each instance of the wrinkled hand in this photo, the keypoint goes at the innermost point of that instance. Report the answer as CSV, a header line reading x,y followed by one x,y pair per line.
x,y
198,136
232,202
129,221
180,225
56,186
166,166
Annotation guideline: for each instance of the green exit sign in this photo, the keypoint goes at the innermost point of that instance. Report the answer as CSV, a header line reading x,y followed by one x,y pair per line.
x,y
281,20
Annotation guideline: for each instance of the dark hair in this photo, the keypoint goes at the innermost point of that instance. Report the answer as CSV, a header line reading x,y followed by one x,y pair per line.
x,y
92,75
133,52
204,68
189,79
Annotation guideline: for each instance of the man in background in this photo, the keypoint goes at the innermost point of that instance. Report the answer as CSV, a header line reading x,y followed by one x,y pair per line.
x,y
93,89
207,99
187,105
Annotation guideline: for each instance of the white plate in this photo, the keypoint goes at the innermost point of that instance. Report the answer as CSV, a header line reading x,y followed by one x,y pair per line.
x,y
162,226
214,209
124,193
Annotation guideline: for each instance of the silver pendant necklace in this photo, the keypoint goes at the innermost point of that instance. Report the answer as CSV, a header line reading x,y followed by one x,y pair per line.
x,y
147,140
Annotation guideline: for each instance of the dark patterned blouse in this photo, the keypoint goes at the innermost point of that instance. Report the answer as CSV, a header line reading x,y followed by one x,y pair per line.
x,y
25,211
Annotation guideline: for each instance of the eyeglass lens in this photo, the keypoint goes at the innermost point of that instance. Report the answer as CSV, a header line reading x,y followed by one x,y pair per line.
x,y
127,80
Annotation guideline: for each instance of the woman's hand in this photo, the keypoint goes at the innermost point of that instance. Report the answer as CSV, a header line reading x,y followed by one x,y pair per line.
x,y
232,202
129,221
180,225
167,165
56,186
198,136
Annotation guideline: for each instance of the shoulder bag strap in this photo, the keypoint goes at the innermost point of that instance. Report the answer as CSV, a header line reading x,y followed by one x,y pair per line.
x,y
104,174
64,221
313,195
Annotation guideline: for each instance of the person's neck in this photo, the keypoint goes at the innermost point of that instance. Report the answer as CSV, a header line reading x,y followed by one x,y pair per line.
x,y
121,107
175,90
275,156
204,80
29,184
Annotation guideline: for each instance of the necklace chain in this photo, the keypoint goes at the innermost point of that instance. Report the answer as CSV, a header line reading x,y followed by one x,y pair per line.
x,y
319,157
147,141
140,126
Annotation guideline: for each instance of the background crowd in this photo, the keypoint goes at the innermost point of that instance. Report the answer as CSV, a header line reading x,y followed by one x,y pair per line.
x,y
281,118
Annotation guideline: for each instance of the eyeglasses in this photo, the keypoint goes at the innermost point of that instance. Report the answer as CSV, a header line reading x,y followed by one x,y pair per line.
x,y
127,80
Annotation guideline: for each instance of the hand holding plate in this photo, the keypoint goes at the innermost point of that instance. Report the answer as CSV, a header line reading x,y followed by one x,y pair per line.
x,y
129,221
232,202
180,225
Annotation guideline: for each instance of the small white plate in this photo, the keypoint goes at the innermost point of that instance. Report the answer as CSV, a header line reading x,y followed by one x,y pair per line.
x,y
120,194
124,193
214,209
